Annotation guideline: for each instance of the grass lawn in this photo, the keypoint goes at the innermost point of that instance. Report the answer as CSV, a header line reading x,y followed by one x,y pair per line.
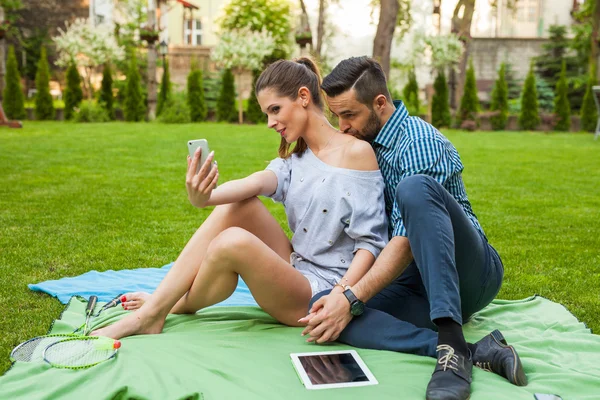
x,y
77,197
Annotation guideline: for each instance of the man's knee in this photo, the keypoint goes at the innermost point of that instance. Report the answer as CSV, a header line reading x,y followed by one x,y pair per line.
x,y
412,190
317,297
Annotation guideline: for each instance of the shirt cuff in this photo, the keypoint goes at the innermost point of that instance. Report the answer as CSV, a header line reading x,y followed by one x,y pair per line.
x,y
399,230
369,247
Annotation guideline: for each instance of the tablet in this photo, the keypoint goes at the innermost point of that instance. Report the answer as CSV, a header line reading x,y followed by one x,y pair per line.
x,y
332,369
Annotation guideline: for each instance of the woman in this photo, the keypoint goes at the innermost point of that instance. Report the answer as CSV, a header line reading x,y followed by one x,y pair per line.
x,y
332,192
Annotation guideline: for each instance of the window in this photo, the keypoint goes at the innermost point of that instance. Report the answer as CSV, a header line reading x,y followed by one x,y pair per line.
x,y
192,32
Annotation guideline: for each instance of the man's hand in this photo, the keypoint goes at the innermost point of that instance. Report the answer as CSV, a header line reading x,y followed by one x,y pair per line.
x,y
327,318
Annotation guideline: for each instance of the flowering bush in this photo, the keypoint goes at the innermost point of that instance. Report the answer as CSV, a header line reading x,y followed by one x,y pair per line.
x,y
243,49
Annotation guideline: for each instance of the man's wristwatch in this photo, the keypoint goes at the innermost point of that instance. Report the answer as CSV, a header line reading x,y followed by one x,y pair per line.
x,y
357,307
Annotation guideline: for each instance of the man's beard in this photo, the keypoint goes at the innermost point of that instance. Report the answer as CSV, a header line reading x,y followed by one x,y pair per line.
x,y
371,128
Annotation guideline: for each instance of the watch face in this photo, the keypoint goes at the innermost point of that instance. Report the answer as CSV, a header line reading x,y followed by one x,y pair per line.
x,y
357,308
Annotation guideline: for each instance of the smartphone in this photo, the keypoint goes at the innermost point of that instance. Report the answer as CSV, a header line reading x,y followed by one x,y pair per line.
x,y
544,396
193,146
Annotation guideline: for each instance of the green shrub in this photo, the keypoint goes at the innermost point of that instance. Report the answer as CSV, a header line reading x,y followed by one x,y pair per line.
x,y
135,106
589,113
562,109
13,100
175,110
469,104
73,92
165,89
254,113
529,118
195,95
440,106
500,100
90,111
44,107
226,110
411,94
106,94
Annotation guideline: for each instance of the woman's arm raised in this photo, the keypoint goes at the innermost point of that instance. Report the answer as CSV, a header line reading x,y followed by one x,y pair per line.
x,y
201,186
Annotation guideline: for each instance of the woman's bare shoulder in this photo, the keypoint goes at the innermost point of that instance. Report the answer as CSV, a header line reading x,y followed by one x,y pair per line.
x,y
360,156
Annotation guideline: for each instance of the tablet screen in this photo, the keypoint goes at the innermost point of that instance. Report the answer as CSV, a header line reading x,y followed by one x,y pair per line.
x,y
332,369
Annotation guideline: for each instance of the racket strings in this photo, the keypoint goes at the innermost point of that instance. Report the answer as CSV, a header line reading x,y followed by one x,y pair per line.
x,y
33,350
79,352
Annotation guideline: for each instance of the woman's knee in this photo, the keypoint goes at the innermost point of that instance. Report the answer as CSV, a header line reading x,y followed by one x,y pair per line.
x,y
229,245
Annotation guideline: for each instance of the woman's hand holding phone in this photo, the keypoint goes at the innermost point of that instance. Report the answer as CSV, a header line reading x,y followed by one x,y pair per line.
x,y
200,185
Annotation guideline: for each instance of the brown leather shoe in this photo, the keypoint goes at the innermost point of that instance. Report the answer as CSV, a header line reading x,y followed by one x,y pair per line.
x,y
495,355
451,379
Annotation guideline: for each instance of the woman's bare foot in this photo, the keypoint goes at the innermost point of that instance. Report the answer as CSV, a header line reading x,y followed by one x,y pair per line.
x,y
134,300
138,323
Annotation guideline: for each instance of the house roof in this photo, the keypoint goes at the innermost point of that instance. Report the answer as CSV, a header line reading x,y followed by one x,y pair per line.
x,y
187,4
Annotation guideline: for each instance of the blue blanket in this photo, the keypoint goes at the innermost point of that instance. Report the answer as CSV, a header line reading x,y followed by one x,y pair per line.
x,y
108,284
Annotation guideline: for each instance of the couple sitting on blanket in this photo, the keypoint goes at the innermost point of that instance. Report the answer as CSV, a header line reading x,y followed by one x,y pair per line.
x,y
386,251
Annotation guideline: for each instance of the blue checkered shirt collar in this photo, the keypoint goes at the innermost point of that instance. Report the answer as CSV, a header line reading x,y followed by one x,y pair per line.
x,y
389,133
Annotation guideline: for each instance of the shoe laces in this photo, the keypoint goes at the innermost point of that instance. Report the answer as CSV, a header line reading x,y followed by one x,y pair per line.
x,y
448,360
486,366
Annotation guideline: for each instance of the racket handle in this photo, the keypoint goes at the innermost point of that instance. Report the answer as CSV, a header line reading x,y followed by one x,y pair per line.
x,y
91,305
112,303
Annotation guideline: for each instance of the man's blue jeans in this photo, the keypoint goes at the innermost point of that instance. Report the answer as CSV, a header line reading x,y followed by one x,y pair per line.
x,y
455,273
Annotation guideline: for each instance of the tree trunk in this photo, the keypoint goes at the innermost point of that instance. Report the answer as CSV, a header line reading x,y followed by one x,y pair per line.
x,y
320,28
595,40
461,27
2,57
382,45
239,72
152,63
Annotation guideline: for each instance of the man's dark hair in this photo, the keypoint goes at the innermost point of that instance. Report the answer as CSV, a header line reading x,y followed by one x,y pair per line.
x,y
364,74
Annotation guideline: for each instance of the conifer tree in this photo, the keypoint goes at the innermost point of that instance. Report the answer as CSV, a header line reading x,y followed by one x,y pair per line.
x,y
562,109
529,118
500,100
411,93
469,104
195,95
135,108
165,89
106,93
589,113
254,113
73,91
226,110
440,105
44,107
13,100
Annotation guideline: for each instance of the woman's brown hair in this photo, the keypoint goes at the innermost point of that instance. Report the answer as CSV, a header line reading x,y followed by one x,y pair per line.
x,y
287,77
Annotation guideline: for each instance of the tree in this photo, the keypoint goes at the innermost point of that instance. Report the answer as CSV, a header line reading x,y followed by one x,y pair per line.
x,y
500,100
272,16
89,46
73,92
135,107
529,117
13,101
243,51
254,113
226,101
561,103
382,44
411,93
195,95
440,107
44,106
106,93
469,104
165,89
589,113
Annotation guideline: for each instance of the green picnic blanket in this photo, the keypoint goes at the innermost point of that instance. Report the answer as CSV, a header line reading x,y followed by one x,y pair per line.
x,y
242,353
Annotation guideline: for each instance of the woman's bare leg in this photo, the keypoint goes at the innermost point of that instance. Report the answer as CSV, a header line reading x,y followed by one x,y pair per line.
x,y
278,288
250,214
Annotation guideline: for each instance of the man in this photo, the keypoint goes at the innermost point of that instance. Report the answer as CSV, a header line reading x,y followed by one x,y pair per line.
x,y
438,268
